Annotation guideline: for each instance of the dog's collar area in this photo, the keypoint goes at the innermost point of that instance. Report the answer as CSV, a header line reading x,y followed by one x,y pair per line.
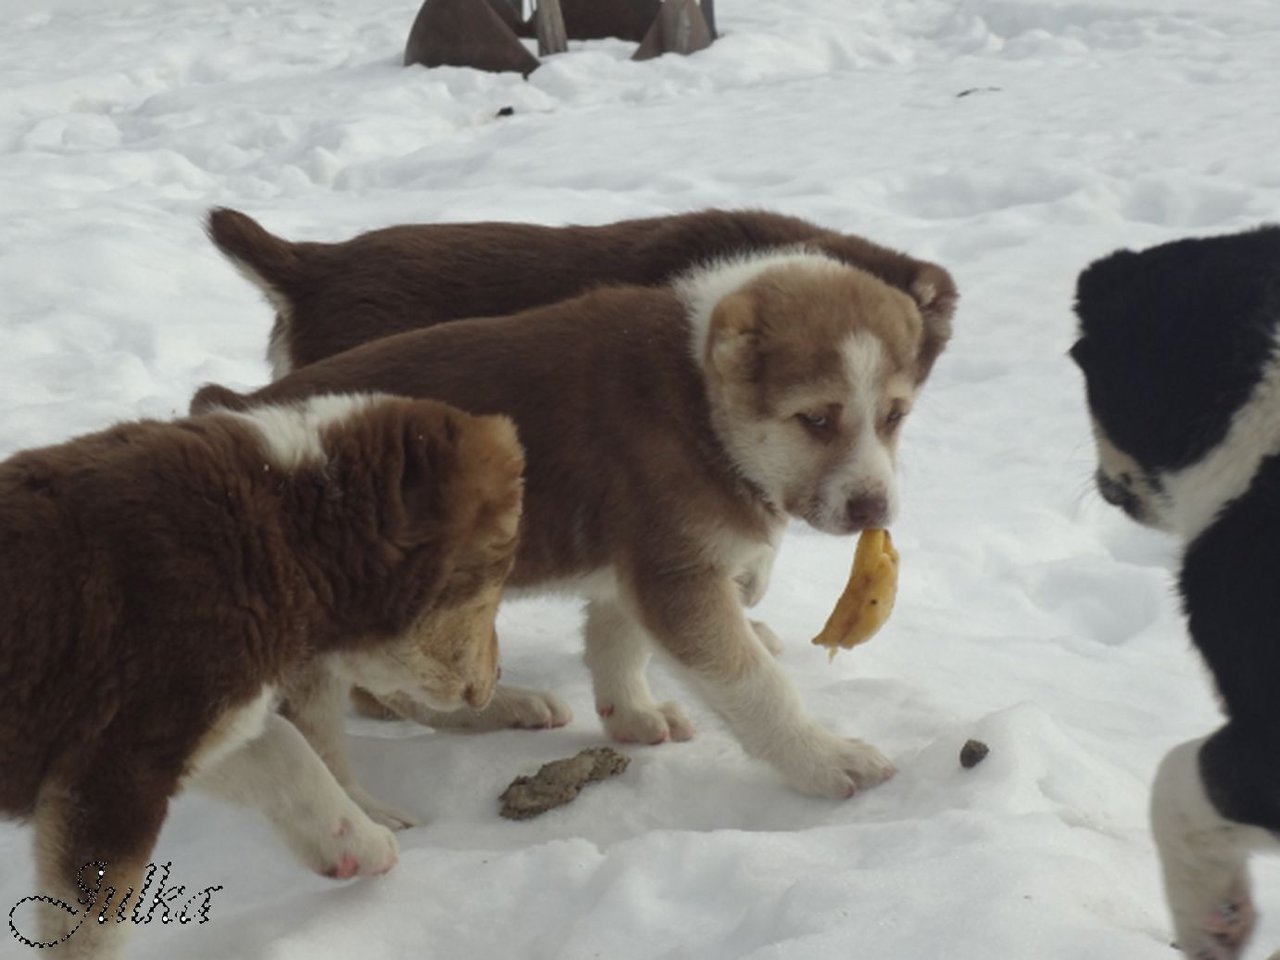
x,y
1198,493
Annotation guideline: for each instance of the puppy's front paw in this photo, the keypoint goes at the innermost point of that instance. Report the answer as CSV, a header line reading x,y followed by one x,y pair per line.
x,y
654,724
1223,934
528,709
828,766
357,847
342,842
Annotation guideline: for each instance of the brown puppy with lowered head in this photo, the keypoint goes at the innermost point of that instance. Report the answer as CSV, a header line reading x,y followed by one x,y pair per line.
x,y
330,297
161,581
669,433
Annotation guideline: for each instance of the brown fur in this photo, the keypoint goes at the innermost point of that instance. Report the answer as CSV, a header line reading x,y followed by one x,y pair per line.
x,y
330,297
157,577
630,470
570,375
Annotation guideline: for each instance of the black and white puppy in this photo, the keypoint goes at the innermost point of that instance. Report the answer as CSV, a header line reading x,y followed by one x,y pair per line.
x,y
1180,350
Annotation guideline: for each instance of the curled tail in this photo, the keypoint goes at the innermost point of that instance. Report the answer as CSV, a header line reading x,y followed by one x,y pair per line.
x,y
270,263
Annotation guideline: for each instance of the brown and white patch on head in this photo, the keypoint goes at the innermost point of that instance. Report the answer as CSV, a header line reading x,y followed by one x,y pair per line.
x,y
293,434
810,367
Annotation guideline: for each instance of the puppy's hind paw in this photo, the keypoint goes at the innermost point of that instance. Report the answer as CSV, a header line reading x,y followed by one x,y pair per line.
x,y
381,813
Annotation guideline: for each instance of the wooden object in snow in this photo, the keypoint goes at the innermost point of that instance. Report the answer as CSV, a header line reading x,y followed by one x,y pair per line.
x,y
466,33
678,28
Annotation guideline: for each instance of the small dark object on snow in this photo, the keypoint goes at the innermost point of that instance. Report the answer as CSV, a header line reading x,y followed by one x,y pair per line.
x,y
559,781
973,90
506,111
973,753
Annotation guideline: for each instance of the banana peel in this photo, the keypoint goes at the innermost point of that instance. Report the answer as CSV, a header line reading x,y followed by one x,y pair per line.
x,y
868,598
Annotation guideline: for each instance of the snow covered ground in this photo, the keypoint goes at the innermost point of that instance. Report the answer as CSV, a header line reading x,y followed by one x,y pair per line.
x,y
1031,615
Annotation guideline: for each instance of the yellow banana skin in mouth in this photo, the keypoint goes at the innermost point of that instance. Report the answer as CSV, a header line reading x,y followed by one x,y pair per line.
x,y
868,597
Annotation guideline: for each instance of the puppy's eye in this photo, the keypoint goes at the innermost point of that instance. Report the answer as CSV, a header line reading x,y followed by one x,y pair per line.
x,y
814,421
894,417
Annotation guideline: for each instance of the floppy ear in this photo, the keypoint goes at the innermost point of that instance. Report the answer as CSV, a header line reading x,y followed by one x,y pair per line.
x,y
428,461
732,335
462,483
491,478
935,295
1104,276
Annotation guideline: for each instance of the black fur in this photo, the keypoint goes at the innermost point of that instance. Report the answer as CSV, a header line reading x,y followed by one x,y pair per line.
x,y
1173,341
1174,338
1231,594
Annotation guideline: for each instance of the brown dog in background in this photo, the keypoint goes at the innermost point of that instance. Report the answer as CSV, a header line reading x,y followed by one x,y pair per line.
x,y
329,297
162,581
670,432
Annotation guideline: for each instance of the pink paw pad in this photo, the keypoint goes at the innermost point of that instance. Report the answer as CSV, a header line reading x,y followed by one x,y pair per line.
x,y
346,868
605,711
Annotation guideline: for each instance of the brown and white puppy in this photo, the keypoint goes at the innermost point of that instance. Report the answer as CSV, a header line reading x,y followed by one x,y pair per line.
x,y
162,581
330,297
669,434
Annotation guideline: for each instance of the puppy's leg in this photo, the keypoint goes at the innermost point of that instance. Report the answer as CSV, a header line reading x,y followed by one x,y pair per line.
x,y
512,708
618,650
279,774
699,622
93,840
1200,790
314,701
753,581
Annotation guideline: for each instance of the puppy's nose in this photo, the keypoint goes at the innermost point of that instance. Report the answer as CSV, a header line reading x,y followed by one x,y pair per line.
x,y
867,511
1113,491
